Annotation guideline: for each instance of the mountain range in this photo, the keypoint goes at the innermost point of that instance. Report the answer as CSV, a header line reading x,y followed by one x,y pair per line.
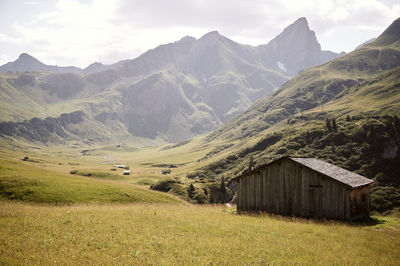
x,y
170,93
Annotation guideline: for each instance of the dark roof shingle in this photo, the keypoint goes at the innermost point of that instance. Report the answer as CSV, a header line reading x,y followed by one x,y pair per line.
x,y
342,175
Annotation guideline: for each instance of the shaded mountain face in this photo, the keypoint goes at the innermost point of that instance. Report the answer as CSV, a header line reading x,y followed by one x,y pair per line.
x,y
222,75
173,92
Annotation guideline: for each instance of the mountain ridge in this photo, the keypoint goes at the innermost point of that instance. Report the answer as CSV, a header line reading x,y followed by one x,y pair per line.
x,y
24,62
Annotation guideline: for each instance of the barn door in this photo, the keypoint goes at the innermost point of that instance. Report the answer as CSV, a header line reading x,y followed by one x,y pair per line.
x,y
315,200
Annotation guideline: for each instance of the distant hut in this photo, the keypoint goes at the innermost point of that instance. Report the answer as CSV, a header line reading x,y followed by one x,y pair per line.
x,y
306,187
127,172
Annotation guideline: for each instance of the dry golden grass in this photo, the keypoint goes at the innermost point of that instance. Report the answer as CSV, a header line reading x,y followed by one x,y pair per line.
x,y
165,234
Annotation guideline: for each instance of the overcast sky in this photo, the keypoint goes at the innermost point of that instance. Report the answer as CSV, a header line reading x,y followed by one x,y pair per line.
x,y
80,32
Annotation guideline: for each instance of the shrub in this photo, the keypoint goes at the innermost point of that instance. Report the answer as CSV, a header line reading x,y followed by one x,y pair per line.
x,y
200,197
380,203
165,171
164,185
282,150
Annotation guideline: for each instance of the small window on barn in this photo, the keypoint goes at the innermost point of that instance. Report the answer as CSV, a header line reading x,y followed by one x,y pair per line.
x,y
279,163
363,197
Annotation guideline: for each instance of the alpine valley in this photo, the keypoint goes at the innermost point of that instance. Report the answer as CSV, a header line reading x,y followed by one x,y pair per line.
x,y
134,163
191,115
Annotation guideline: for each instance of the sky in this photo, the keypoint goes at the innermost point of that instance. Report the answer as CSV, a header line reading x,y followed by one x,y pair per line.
x,y
81,32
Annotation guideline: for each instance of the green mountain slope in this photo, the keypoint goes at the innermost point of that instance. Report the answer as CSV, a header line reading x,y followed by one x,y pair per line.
x,y
379,95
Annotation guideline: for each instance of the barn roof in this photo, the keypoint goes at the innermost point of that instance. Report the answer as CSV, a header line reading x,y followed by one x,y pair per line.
x,y
342,175
335,172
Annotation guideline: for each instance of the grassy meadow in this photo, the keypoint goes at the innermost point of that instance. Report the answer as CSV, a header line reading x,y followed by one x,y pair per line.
x,y
162,234
41,180
50,216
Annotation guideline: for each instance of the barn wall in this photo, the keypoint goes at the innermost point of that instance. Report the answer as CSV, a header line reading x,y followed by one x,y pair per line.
x,y
287,188
360,202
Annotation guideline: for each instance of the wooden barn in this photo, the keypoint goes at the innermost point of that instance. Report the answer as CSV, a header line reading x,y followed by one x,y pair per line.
x,y
306,187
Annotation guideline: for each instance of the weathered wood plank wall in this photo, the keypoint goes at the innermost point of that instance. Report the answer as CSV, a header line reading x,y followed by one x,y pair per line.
x,y
287,188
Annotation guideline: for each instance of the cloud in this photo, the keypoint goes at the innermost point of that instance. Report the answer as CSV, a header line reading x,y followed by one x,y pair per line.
x,y
260,20
78,33
4,38
73,30
33,3
4,58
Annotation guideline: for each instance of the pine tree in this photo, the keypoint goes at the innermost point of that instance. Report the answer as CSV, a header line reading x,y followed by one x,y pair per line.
x,y
396,123
328,125
334,126
222,190
348,118
191,191
371,132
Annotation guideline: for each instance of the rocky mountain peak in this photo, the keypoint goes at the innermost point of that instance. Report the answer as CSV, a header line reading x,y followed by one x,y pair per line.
x,y
297,48
301,22
297,33
95,64
24,56
26,62
211,35
394,29
187,39
390,35
28,59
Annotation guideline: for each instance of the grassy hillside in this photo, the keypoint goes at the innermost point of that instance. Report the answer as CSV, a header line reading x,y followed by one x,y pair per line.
x,y
379,95
159,234
40,179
